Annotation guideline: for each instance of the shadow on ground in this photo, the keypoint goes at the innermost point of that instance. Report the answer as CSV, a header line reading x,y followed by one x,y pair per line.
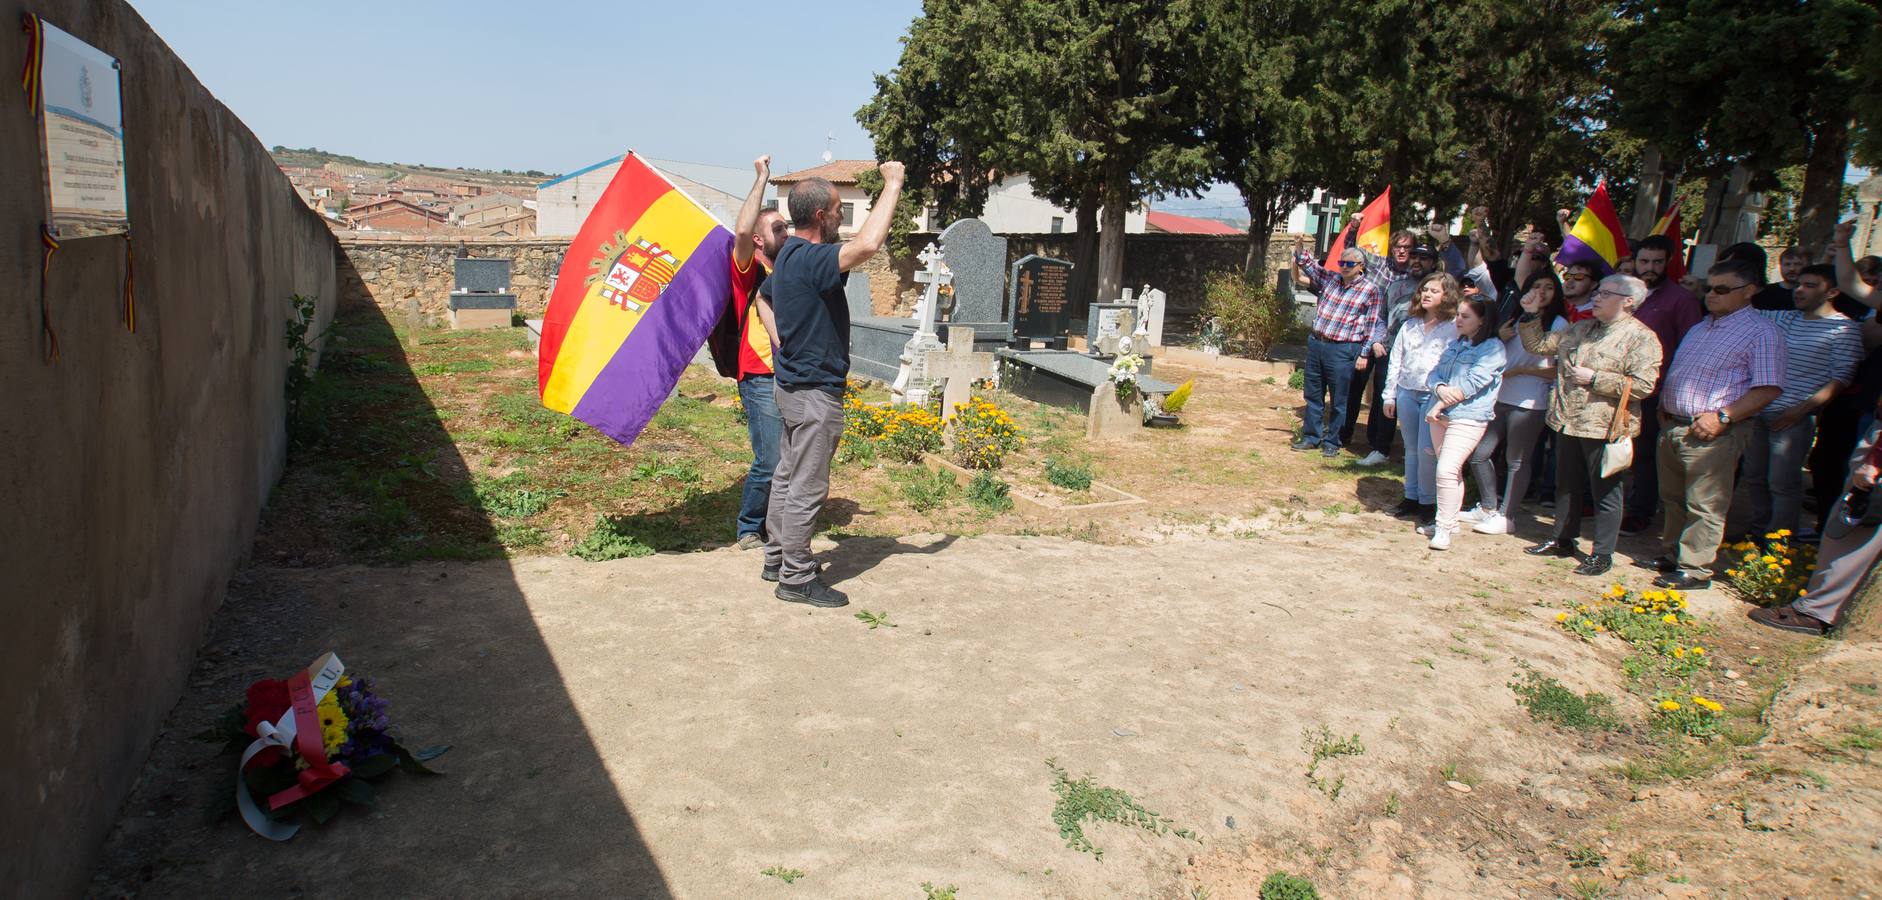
x,y
527,808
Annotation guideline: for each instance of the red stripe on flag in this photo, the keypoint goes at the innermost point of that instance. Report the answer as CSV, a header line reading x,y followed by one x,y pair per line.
x,y
634,188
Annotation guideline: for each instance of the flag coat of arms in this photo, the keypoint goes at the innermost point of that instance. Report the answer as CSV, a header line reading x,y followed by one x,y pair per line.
x,y
1597,236
639,290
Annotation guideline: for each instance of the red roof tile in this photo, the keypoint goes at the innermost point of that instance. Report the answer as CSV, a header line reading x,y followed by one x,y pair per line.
x,y
1175,224
841,171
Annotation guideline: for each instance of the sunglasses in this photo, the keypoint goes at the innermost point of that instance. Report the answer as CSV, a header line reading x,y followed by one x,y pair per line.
x,y
1577,277
1349,263
1722,289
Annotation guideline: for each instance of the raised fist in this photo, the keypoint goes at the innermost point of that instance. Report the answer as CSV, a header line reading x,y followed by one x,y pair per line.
x,y
891,172
762,164
1561,215
1845,230
1480,213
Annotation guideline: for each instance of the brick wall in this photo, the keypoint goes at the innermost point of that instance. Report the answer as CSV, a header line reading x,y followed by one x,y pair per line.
x,y
395,271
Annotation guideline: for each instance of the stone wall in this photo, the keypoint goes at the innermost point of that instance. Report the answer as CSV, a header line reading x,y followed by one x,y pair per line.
x,y
134,468
395,272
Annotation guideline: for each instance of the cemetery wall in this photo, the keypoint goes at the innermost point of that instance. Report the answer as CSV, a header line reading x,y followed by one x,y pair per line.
x,y
133,468
395,272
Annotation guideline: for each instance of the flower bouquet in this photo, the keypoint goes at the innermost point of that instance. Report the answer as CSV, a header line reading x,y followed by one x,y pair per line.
x,y
1123,375
308,743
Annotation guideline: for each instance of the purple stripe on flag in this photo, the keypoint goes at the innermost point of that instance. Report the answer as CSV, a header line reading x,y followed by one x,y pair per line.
x,y
1575,251
631,387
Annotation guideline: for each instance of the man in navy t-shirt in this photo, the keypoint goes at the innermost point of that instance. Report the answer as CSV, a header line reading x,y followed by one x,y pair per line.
x,y
812,362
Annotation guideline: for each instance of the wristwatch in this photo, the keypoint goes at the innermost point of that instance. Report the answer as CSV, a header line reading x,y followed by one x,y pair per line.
x,y
1725,418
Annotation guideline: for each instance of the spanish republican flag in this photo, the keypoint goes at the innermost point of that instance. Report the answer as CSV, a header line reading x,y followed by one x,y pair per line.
x,y
1597,236
1375,229
639,290
1675,261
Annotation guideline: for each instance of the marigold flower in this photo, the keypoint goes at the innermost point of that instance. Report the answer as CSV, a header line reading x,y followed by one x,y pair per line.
x,y
1679,653
1783,532
1670,705
1670,619
1638,610
1767,558
1698,651
1561,617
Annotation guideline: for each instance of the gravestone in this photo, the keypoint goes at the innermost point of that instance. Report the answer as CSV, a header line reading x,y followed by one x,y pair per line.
x,y
1107,323
480,294
912,384
1112,418
1150,306
958,366
481,276
856,291
977,258
1037,297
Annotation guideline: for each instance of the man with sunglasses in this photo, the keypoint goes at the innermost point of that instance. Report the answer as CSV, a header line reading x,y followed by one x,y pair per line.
x,y
1729,367
1578,281
1349,320
1670,310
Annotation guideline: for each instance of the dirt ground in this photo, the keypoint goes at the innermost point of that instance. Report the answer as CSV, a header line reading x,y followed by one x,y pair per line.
x,y
662,727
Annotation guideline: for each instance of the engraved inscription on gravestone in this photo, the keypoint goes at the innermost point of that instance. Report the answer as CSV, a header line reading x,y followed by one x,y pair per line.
x,y
1039,288
83,138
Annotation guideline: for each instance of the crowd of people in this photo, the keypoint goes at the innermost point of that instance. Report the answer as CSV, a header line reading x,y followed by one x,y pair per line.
x,y
1621,395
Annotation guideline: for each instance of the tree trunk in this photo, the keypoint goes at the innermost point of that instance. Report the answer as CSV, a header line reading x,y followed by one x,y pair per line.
x,y
1111,235
1823,186
1084,285
1260,234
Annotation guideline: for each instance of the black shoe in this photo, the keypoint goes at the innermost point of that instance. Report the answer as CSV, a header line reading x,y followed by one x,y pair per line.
x,y
812,592
1427,512
1680,581
1330,452
1304,444
1595,564
1552,548
1405,509
1657,564
1631,526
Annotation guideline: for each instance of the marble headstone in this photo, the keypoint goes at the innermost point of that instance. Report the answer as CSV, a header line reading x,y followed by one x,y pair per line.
x,y
1037,294
481,276
977,257
862,306
1109,320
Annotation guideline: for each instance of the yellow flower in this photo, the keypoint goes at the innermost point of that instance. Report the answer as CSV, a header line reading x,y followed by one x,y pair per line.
x,y
1783,532
1669,705
1802,592
1679,653
1732,572
1561,617
332,723
1670,619
1638,610
1767,558
1617,591
1586,624
1775,567
1600,628
1698,651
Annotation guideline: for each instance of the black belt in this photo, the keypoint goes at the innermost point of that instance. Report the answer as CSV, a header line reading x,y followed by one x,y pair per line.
x,y
1679,420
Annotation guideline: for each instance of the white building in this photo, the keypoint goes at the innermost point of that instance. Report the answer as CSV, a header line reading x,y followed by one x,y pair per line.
x,y
564,203
1011,208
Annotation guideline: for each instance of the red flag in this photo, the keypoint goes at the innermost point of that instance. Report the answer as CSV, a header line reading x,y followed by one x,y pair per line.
x,y
1375,229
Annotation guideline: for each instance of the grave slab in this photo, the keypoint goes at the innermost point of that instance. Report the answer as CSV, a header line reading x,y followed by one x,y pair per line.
x,y
977,259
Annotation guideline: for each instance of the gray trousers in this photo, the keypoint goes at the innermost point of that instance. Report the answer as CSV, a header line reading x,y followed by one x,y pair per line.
x,y
1842,562
1774,473
813,423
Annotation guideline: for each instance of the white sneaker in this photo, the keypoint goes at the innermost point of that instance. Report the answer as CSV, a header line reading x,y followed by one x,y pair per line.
x,y
1375,458
1441,540
1494,523
1473,514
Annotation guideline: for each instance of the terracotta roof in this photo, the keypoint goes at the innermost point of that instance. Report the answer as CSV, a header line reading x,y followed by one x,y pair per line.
x,y
842,171
1175,224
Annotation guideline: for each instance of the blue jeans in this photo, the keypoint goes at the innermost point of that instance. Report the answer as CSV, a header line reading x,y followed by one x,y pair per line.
x,y
1328,379
1421,464
761,420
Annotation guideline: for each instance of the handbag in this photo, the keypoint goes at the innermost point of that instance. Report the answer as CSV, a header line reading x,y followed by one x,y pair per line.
x,y
1618,454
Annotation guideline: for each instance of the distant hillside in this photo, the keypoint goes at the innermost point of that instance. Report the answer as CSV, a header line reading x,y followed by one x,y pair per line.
x,y
314,157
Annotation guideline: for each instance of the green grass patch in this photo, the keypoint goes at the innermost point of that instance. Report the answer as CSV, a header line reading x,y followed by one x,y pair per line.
x,y
1547,700
1067,474
1321,746
782,874
1282,886
925,489
1083,800
454,367
988,495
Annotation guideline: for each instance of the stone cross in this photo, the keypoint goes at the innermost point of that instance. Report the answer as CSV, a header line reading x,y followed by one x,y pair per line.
x,y
958,366
912,382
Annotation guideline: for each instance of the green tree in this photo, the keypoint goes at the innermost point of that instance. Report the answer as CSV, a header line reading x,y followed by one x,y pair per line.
x,y
1088,97
1760,83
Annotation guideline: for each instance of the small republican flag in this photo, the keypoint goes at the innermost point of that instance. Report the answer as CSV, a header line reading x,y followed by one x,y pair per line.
x,y
1597,236
1675,261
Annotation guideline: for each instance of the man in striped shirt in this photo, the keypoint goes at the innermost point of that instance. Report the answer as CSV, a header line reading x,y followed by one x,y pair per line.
x,y
1348,321
1821,349
1729,367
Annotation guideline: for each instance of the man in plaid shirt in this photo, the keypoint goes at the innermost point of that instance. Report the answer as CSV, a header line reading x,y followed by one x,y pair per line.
x,y
1729,367
1348,322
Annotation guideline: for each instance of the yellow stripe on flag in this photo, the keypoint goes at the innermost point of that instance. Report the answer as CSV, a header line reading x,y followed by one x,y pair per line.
x,y
1376,239
1589,230
599,328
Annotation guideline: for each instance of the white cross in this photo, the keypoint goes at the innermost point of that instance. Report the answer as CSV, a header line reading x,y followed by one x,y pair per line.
x,y
911,384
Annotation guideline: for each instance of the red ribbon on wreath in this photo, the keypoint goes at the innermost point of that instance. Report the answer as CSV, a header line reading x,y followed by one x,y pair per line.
x,y
309,743
35,60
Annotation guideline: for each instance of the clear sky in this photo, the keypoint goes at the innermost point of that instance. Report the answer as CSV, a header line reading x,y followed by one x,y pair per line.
x,y
551,85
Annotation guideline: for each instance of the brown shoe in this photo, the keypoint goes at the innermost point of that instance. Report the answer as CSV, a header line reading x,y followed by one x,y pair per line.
x,y
1789,619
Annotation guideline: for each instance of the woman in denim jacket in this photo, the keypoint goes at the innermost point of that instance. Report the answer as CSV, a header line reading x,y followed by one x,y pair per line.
x,y
1464,386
